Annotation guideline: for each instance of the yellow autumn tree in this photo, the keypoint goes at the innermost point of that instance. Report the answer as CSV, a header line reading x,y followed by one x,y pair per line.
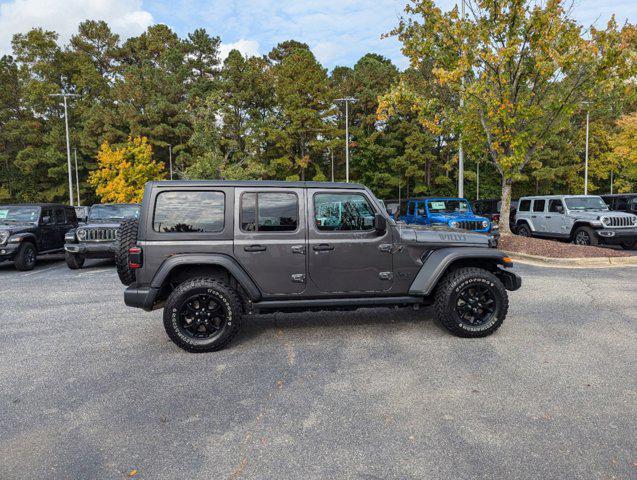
x,y
623,156
122,172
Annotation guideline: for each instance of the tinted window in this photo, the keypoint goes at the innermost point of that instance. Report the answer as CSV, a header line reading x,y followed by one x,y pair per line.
x,y
525,206
553,204
189,212
60,217
421,209
538,205
633,204
71,217
113,212
47,216
342,212
269,212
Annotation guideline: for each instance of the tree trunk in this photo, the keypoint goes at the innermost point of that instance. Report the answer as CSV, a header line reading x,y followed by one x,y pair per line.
x,y
505,208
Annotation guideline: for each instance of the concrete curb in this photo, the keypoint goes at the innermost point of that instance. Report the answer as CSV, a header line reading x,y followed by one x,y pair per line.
x,y
590,262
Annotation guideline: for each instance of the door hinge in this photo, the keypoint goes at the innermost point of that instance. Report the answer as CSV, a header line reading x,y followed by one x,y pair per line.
x,y
385,247
298,277
385,275
298,249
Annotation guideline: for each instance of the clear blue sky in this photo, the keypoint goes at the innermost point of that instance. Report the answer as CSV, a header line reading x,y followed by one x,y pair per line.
x,y
338,31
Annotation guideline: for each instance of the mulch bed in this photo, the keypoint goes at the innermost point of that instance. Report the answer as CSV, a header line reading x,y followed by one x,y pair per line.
x,y
553,249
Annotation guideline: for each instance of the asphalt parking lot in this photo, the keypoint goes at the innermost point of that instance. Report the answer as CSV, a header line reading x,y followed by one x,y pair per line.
x,y
92,389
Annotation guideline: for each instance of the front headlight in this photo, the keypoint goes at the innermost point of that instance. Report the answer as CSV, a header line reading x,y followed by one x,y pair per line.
x,y
485,224
4,236
81,233
634,219
453,224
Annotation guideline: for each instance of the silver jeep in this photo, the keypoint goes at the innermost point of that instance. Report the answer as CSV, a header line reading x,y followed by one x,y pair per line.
x,y
582,219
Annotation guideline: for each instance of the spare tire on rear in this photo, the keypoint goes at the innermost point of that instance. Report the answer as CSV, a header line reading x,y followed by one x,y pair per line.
x,y
126,238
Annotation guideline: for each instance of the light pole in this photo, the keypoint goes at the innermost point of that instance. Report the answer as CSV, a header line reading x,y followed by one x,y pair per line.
x,y
77,179
347,101
68,144
460,149
586,155
478,181
170,159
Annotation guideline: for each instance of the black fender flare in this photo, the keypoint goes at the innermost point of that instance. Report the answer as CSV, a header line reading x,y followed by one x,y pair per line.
x,y
21,237
436,264
215,259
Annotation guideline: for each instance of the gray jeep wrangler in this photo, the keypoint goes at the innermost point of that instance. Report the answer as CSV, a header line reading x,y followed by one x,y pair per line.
x,y
210,252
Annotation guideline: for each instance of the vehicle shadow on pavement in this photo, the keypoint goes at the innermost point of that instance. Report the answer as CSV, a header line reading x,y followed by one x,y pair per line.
x,y
254,326
43,262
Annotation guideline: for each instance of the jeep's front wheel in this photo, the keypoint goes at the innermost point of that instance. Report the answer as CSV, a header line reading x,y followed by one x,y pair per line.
x,y
471,302
584,236
26,257
523,230
74,261
202,315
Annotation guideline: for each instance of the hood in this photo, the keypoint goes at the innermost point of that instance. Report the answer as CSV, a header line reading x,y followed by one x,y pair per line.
x,y
595,214
17,227
437,234
459,216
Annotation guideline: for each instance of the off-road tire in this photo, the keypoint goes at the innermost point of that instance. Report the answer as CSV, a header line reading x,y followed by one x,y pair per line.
x,y
26,258
73,260
585,232
228,299
629,245
126,238
447,293
523,230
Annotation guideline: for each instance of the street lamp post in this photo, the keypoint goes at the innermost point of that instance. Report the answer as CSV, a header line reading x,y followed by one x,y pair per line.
x,y
170,159
68,144
347,101
77,179
586,156
460,147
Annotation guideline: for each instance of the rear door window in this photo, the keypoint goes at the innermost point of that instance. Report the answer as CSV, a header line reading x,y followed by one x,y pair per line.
x,y
538,205
189,211
269,212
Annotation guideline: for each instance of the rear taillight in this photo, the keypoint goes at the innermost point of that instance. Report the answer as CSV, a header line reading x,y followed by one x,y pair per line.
x,y
135,258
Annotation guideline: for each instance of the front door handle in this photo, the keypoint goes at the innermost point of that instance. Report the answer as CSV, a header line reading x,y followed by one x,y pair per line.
x,y
323,247
255,248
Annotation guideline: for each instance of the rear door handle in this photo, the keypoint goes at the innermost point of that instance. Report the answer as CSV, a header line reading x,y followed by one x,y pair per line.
x,y
255,248
323,247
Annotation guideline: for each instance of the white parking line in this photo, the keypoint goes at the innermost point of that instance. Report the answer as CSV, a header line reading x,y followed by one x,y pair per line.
x,y
43,270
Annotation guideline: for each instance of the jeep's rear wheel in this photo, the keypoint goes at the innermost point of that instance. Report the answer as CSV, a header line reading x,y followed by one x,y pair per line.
x,y
471,302
126,238
584,236
74,261
523,230
202,315
26,257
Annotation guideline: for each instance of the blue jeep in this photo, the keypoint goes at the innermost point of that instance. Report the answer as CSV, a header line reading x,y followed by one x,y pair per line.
x,y
454,212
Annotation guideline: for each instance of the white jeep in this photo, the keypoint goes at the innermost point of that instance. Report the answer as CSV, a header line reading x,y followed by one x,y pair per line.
x,y
582,219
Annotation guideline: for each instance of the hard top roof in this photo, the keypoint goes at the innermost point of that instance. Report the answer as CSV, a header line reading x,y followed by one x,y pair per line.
x,y
254,183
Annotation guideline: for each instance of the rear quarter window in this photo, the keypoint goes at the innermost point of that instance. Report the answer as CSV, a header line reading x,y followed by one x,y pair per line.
x,y
189,211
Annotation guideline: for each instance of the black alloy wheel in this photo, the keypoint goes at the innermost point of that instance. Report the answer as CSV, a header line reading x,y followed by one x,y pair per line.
x,y
201,317
582,238
476,305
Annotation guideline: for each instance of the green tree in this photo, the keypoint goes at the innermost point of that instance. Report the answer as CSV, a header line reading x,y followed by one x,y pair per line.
x,y
522,69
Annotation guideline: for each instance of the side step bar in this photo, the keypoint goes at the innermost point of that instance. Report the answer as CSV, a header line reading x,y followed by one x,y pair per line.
x,y
335,302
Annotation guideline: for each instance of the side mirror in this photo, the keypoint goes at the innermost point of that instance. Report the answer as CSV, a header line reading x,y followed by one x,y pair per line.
x,y
380,223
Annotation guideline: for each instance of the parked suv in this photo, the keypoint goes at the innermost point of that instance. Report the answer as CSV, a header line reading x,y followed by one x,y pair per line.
x,y
209,252
583,219
622,202
96,239
29,230
453,212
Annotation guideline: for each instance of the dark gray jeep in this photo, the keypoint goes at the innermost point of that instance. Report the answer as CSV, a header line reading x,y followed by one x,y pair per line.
x,y
209,252
96,238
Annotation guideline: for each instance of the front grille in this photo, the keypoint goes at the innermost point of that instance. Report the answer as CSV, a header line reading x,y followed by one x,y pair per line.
x,y
470,225
101,234
618,222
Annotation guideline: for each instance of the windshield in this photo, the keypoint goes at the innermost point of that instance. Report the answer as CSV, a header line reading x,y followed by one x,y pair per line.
x,y
113,212
585,203
449,206
19,214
